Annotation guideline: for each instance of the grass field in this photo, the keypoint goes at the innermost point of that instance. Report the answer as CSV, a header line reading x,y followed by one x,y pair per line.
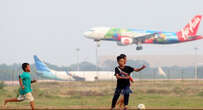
x,y
154,94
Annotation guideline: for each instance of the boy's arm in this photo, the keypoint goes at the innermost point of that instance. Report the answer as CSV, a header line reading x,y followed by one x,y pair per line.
x,y
33,81
139,69
119,77
21,83
131,79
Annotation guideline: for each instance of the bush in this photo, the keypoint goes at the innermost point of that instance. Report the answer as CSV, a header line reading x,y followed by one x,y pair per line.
x,y
2,85
178,90
157,91
200,93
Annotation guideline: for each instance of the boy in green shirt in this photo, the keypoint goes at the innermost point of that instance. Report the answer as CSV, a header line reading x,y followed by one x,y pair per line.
x,y
25,87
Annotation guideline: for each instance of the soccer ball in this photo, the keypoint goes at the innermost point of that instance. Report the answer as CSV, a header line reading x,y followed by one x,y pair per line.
x,y
141,106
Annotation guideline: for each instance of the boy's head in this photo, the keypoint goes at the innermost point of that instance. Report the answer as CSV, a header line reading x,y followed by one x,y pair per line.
x,y
121,61
26,67
124,56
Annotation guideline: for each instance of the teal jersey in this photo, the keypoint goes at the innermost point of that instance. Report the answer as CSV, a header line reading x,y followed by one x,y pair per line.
x,y
26,80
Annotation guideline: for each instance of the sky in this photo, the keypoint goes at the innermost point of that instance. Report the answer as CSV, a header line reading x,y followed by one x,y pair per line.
x,y
53,29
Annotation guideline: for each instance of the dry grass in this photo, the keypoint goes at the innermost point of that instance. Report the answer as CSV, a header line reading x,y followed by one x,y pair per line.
x,y
154,94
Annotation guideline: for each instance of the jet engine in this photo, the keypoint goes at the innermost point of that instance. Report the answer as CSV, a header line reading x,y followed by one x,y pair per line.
x,y
125,41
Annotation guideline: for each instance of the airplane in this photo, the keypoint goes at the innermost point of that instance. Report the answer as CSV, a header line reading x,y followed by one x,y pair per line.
x,y
45,72
125,37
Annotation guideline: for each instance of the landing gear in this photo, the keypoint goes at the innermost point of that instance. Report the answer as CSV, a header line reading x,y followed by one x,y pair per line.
x,y
97,43
139,48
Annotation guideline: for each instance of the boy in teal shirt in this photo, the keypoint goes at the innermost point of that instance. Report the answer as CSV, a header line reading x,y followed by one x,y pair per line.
x,y
25,87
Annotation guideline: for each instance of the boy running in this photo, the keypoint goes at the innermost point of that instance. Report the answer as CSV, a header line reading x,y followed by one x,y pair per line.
x,y
122,73
25,87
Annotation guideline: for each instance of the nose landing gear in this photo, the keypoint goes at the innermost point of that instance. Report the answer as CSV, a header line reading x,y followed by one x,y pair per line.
x,y
139,48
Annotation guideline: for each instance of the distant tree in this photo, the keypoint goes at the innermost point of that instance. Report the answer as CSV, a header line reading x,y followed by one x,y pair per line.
x,y
11,72
109,65
84,66
2,85
137,63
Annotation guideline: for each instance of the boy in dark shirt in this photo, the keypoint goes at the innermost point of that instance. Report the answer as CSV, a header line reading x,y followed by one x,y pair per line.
x,y
122,73
120,102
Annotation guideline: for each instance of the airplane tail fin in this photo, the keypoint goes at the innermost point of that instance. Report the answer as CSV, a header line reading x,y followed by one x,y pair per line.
x,y
161,72
44,71
190,29
40,65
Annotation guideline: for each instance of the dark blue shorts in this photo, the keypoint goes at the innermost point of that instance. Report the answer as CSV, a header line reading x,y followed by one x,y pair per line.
x,y
124,91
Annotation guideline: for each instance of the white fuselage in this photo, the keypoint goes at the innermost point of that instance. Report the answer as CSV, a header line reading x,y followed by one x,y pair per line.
x,y
94,75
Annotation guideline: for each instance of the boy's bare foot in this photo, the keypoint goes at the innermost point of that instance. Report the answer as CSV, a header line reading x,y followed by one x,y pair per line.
x,y
5,105
121,107
113,108
125,108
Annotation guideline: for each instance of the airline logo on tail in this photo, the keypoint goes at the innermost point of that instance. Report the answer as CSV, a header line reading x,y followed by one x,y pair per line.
x,y
190,29
41,67
46,72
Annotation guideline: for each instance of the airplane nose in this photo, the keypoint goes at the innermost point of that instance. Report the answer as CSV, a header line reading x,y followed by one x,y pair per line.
x,y
87,34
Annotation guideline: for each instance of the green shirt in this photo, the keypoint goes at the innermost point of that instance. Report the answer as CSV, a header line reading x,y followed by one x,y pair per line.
x,y
26,79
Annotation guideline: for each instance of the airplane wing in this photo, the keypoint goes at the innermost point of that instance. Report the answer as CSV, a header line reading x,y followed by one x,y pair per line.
x,y
77,78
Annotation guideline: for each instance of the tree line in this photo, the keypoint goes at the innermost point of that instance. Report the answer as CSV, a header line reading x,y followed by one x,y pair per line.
x,y
11,72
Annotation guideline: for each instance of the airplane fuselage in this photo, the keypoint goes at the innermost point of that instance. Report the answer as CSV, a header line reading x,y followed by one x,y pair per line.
x,y
116,34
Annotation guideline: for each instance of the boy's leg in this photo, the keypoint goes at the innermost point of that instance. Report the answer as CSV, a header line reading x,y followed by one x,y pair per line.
x,y
11,100
126,98
31,99
32,105
119,100
122,101
115,97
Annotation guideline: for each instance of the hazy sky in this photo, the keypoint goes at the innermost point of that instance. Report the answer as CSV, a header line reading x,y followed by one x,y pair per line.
x,y
52,29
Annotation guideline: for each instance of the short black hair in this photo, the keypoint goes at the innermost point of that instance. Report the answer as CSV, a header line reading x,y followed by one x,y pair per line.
x,y
119,57
123,55
24,65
